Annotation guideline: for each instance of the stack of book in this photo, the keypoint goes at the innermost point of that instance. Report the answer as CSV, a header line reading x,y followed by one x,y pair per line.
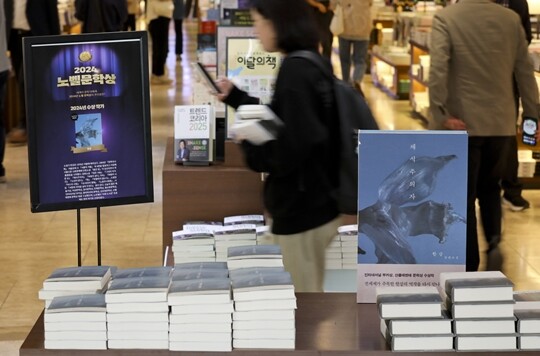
x,y
482,306
75,281
193,245
348,236
333,256
527,312
263,235
254,256
413,319
201,308
233,235
265,304
137,309
76,322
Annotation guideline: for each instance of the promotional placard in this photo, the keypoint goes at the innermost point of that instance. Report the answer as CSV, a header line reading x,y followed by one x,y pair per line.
x,y
88,120
412,208
251,69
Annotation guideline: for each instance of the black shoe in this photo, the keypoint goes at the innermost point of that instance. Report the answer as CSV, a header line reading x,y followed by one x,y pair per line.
x,y
494,260
517,203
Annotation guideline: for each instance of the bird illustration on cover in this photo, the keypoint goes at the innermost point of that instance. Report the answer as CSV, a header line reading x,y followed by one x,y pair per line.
x,y
392,219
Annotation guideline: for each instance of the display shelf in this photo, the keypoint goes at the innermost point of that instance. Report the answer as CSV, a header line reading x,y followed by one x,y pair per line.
x,y
326,324
387,75
419,84
529,182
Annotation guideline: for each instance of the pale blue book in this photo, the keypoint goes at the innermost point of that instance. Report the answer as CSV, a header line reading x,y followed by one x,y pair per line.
x,y
80,273
246,282
77,303
201,286
139,284
186,274
201,265
236,273
161,271
254,251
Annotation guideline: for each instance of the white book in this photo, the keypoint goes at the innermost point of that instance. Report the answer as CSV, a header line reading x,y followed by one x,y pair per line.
x,y
192,236
50,294
179,248
254,251
200,265
529,342
187,274
225,346
254,262
137,335
219,318
201,336
404,302
136,317
142,297
257,219
263,281
263,324
184,259
444,276
527,299
417,326
481,289
139,284
264,294
486,342
75,335
218,308
250,271
256,123
264,315
528,321
482,310
74,317
75,344
485,326
200,328
223,245
201,225
150,307
138,344
236,232
75,325
422,343
181,254
137,326
263,344
277,304
282,334
87,278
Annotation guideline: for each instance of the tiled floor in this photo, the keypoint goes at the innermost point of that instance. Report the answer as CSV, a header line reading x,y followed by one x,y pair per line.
x,y
32,245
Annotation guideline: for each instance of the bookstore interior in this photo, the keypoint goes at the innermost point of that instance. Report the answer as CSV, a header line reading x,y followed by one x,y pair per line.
x,y
190,268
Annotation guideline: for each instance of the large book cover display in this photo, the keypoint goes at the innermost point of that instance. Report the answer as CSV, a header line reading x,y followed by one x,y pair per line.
x,y
412,188
88,120
194,134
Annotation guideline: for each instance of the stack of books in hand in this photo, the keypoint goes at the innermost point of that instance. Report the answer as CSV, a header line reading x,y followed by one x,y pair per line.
x,y
75,281
76,322
348,236
137,308
201,308
233,235
265,303
413,319
193,244
527,312
482,306
254,256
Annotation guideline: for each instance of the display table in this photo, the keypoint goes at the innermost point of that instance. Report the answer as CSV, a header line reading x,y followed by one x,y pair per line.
x,y
208,192
326,324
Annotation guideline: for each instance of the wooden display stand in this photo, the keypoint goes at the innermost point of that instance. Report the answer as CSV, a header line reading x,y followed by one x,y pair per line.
x,y
401,72
208,192
326,324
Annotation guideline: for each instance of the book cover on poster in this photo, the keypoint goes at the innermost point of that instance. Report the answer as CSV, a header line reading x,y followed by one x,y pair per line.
x,y
412,202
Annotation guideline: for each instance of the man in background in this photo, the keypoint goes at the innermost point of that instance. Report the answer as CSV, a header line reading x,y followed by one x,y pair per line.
x,y
511,185
473,60
26,18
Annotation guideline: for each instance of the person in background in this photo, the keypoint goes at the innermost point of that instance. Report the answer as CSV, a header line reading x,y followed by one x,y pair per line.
x,y
354,41
323,15
26,18
468,40
192,4
158,17
4,73
133,11
101,15
302,171
512,187
178,17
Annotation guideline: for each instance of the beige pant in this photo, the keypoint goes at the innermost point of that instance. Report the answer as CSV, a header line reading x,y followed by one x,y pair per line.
x,y
304,255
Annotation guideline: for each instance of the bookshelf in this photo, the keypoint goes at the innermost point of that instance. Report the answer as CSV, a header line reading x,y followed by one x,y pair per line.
x,y
418,74
389,76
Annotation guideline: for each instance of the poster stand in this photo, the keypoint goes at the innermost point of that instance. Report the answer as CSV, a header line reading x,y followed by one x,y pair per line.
x,y
98,236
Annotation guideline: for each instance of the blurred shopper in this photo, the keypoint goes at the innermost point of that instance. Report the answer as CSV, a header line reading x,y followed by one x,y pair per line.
x,y
4,72
192,5
133,12
354,41
178,17
323,15
468,40
158,16
512,196
101,15
26,18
